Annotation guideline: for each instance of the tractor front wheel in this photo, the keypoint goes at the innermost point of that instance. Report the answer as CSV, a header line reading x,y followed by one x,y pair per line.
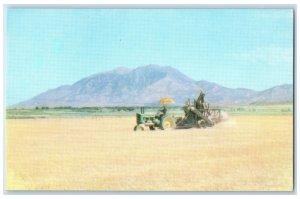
x,y
139,128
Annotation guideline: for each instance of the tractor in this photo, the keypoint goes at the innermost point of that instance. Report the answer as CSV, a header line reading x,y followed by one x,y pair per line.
x,y
161,120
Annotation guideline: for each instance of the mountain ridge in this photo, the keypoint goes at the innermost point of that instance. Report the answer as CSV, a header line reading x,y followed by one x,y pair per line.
x,y
145,85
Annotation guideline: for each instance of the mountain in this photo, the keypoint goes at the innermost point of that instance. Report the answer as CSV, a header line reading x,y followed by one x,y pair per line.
x,y
274,95
225,96
145,86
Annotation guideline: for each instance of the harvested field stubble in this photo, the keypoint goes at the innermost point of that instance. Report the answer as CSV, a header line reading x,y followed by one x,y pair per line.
x,y
244,153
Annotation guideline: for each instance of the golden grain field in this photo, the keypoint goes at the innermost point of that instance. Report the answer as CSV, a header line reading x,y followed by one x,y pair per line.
x,y
244,153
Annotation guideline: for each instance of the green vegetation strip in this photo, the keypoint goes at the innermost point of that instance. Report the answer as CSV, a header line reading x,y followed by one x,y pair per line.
x,y
57,112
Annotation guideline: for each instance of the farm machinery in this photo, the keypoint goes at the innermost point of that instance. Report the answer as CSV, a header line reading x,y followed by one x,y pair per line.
x,y
160,120
198,114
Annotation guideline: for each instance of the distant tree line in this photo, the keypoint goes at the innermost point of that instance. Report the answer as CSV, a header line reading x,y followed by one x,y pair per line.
x,y
42,107
117,108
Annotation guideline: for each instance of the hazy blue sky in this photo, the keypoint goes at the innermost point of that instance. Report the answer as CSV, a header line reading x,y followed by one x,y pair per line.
x,y
46,48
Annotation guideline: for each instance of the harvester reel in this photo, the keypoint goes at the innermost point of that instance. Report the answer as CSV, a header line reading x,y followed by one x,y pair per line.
x,y
167,123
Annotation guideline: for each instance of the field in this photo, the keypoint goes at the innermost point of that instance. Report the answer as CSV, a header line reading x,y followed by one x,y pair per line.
x,y
245,153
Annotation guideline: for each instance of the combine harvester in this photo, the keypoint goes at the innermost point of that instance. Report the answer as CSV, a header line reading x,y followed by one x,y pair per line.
x,y
197,114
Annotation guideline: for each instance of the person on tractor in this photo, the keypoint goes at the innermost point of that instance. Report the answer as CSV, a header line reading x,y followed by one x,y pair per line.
x,y
162,112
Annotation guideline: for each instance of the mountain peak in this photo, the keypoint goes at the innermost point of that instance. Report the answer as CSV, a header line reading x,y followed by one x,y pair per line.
x,y
121,70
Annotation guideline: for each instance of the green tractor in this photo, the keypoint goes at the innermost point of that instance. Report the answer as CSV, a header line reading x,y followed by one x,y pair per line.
x,y
160,120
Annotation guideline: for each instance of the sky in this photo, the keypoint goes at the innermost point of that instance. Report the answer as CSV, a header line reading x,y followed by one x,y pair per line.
x,y
236,48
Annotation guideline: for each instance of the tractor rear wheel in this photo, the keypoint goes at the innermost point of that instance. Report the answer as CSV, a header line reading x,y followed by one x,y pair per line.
x,y
167,123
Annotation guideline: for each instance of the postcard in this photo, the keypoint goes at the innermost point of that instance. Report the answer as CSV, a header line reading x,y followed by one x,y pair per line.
x,y
120,99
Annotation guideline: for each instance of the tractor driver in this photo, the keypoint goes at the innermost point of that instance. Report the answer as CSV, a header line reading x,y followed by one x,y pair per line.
x,y
161,112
